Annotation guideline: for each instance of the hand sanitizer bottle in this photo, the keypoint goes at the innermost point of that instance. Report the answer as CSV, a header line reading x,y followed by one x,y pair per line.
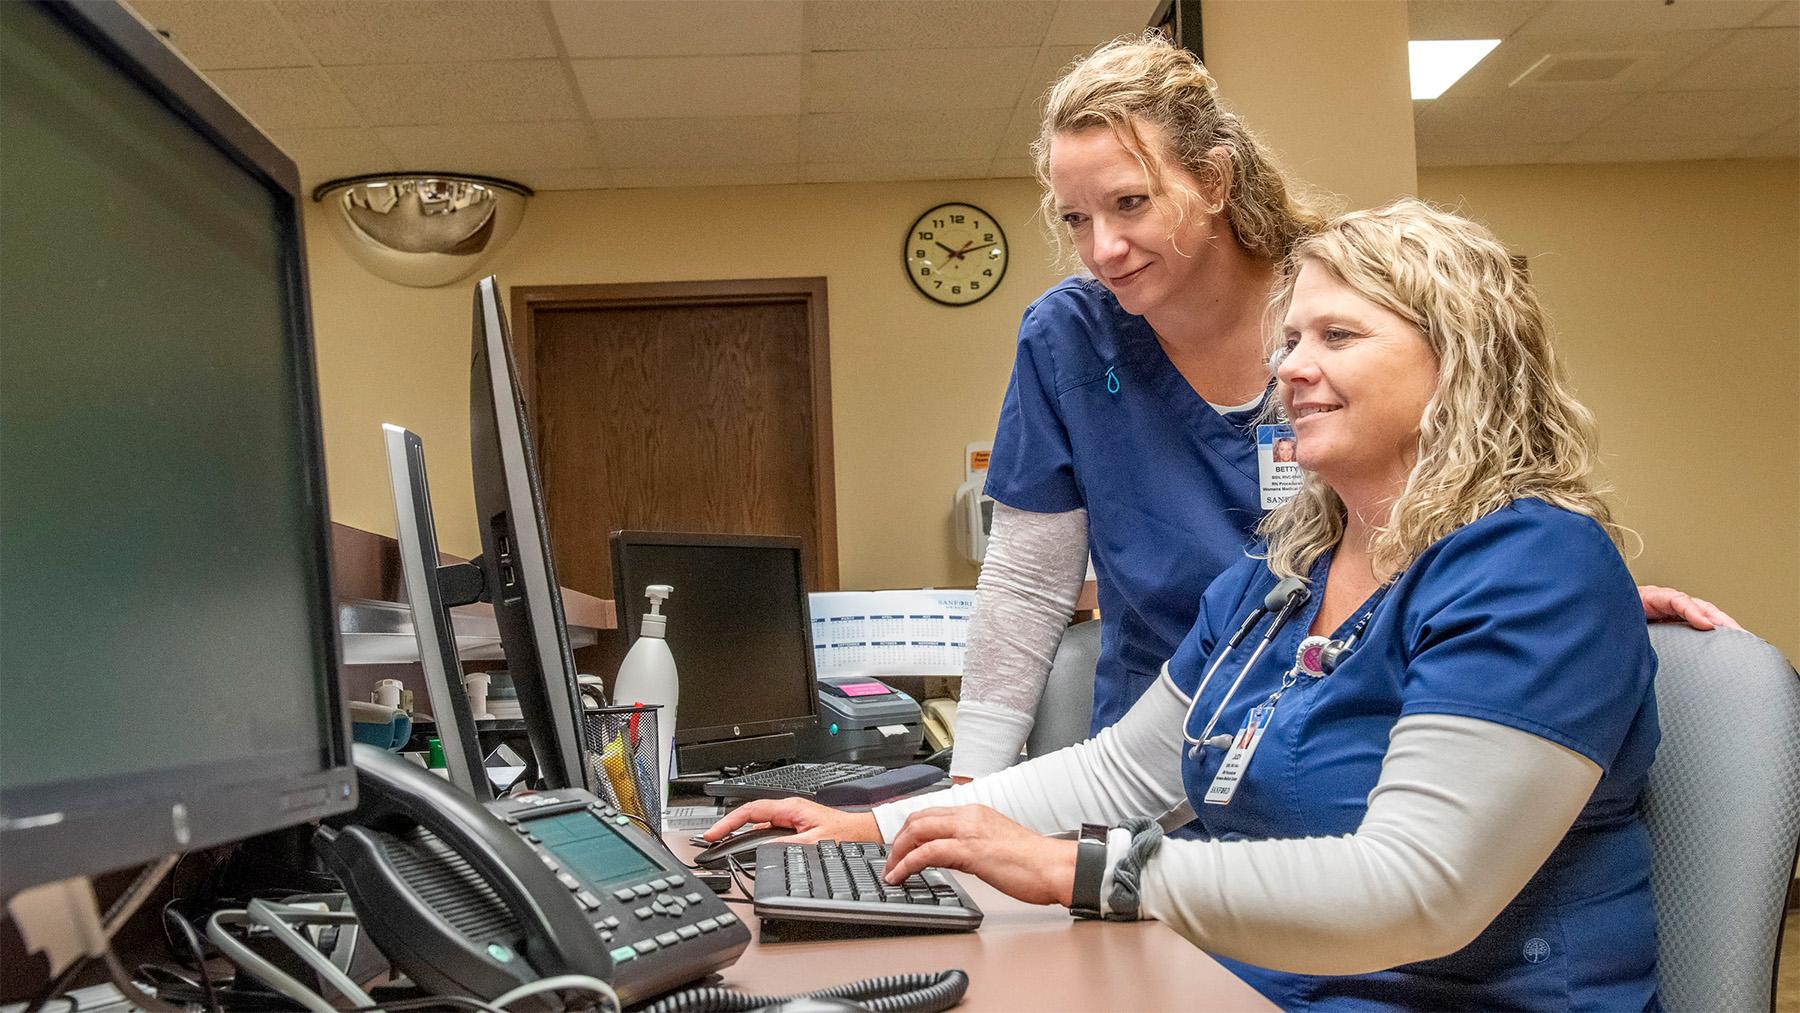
x,y
648,676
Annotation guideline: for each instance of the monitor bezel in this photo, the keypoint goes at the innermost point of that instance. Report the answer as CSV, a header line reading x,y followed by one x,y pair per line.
x,y
98,826
630,608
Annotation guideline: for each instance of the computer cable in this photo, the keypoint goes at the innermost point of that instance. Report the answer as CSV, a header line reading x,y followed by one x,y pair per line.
x,y
274,918
900,993
192,939
562,983
275,977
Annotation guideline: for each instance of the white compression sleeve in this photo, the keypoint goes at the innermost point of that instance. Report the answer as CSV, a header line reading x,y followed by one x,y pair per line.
x,y
1464,813
1026,593
1130,769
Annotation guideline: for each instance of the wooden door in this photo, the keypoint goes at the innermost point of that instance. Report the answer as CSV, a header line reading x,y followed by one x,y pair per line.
x,y
699,406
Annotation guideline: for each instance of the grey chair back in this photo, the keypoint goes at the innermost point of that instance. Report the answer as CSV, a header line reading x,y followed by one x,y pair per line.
x,y
1723,807
1066,709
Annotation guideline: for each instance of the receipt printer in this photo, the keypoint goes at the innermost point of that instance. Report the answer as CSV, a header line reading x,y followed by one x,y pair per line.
x,y
862,720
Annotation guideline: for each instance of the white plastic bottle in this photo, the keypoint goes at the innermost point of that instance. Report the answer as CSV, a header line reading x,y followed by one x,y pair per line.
x,y
648,676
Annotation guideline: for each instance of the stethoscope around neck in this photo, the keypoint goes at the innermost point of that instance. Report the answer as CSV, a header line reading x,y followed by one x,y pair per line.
x,y
1284,600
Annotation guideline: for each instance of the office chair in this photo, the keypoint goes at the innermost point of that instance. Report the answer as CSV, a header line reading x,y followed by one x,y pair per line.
x,y
1723,807
1066,709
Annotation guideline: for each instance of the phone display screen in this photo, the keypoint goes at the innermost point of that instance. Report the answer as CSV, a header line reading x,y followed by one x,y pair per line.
x,y
591,850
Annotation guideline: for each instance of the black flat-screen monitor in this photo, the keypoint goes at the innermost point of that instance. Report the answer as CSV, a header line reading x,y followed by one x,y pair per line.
x,y
515,552
740,631
168,649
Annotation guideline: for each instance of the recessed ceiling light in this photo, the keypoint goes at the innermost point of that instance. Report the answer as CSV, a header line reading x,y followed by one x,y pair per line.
x,y
1440,63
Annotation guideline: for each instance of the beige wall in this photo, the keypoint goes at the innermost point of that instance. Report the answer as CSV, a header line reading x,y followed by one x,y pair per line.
x,y
1675,294
912,381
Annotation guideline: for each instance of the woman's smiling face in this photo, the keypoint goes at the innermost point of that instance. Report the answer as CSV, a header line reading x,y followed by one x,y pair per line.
x,y
1355,378
1132,245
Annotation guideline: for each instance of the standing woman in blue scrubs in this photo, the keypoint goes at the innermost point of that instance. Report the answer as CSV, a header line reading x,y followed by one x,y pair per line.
x,y
1128,431
1419,782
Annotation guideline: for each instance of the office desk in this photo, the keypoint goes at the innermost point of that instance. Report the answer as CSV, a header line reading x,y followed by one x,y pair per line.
x,y
1023,957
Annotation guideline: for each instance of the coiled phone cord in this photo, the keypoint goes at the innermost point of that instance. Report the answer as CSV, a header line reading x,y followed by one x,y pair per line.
x,y
899,993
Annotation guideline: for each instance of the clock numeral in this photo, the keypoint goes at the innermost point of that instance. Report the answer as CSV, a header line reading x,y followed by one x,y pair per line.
x,y
937,223
987,237
956,290
925,272
958,219
925,237
939,284
920,254
989,273
974,286
978,223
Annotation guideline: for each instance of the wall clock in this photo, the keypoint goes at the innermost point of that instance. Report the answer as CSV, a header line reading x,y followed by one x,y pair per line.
x,y
955,254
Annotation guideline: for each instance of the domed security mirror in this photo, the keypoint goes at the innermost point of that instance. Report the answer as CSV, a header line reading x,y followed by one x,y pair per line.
x,y
423,230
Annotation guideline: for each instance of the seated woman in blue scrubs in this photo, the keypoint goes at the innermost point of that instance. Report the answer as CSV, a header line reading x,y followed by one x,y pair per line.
x,y
1127,430
1419,780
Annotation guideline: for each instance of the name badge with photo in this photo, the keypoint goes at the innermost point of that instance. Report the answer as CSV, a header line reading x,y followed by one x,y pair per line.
x,y
1277,466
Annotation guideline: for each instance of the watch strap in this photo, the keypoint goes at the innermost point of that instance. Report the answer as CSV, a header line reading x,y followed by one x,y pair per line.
x,y
1090,870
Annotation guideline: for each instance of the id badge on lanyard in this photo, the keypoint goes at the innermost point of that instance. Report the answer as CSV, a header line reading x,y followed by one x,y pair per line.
x,y
1237,758
1278,473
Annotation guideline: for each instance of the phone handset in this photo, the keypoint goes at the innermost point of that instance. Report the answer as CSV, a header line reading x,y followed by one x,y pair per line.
x,y
393,879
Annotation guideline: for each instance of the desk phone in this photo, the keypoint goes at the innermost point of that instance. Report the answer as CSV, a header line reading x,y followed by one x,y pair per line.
x,y
475,900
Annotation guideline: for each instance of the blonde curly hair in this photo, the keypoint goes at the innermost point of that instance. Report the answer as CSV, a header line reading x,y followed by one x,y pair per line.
x,y
1502,424
1137,80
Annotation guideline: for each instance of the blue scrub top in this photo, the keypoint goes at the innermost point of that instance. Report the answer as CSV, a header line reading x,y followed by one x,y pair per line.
x,y
1097,417
1527,618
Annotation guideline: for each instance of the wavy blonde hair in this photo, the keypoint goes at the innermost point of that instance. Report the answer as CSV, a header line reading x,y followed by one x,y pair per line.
x,y
1137,80
1502,424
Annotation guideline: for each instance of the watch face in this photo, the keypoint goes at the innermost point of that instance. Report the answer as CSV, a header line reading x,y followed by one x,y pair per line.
x,y
956,254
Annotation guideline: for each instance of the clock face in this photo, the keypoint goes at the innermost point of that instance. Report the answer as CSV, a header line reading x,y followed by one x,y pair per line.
x,y
956,254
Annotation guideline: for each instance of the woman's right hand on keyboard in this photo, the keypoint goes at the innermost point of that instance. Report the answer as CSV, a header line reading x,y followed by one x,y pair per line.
x,y
809,820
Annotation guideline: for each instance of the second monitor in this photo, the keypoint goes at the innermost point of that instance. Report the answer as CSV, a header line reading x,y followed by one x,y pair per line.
x,y
739,630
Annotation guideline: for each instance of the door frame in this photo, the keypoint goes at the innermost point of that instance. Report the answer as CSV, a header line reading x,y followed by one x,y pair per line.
x,y
528,300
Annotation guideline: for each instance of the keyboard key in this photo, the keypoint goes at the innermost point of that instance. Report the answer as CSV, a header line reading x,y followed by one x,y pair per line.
x,y
624,953
727,918
645,945
687,931
624,895
708,924
668,939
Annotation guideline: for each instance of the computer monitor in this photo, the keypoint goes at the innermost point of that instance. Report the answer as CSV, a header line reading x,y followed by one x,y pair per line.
x,y
741,632
515,552
168,649
415,530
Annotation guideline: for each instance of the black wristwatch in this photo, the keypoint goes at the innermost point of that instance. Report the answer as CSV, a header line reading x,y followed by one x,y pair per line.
x,y
1090,870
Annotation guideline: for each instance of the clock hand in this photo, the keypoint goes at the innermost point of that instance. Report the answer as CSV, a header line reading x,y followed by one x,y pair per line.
x,y
983,246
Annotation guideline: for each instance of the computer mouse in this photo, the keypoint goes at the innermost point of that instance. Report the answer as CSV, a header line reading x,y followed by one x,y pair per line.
x,y
743,845
812,1004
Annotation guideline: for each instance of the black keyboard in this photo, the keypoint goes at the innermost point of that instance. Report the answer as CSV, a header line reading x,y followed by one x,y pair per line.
x,y
831,882
795,779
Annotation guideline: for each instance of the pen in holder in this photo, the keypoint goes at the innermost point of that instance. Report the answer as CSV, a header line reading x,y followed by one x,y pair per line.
x,y
622,753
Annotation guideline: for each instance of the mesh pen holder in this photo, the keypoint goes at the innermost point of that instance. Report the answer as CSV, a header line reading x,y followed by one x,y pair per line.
x,y
622,760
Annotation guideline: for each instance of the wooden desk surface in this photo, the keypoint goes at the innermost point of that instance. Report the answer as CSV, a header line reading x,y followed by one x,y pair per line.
x,y
1023,957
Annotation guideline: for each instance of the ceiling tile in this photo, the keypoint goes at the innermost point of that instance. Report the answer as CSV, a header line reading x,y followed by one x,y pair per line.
x,y
335,152
1046,70
707,175
220,34
1012,168
944,135
488,92
1782,13
1511,119
1664,54
563,179
1020,133
280,97
1468,19
1751,58
1670,116
1644,16
887,24
1672,149
1782,142
904,79
406,31
690,86
874,172
480,148
609,28
1087,23
1486,154
746,140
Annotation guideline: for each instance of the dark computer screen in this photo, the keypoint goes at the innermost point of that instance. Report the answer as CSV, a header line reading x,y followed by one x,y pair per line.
x,y
165,621
739,628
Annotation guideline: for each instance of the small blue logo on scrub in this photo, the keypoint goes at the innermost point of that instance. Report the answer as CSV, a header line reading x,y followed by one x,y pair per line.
x,y
1536,950
1112,381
